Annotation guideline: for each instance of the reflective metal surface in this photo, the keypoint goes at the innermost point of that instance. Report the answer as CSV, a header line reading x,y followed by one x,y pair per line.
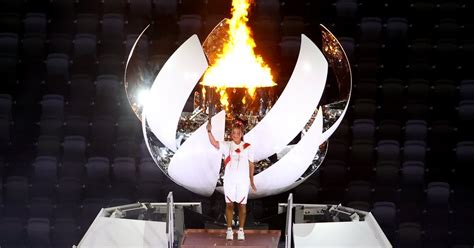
x,y
138,76
341,69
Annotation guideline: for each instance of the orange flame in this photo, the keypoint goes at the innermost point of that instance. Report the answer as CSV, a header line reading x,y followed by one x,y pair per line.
x,y
238,66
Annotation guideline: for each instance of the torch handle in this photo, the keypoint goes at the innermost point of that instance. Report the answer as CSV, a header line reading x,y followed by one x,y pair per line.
x,y
211,103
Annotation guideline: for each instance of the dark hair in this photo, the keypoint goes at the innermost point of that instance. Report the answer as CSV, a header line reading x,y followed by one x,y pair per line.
x,y
238,124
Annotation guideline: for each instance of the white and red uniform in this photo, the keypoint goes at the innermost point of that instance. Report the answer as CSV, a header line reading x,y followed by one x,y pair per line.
x,y
236,174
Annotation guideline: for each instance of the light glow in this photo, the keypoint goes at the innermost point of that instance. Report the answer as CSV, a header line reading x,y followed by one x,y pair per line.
x,y
238,66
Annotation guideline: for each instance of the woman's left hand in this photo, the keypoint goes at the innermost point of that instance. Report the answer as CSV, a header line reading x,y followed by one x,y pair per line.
x,y
253,186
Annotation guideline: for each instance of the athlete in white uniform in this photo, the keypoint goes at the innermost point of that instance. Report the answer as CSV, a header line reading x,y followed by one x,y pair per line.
x,y
237,158
238,175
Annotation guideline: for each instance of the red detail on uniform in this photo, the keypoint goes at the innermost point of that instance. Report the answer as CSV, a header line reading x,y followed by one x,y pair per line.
x,y
227,160
228,198
246,145
242,200
237,150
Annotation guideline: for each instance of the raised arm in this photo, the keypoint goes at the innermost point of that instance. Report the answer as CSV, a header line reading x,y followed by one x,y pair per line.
x,y
213,141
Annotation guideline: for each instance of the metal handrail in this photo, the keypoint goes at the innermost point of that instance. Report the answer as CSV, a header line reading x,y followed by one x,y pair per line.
x,y
289,222
170,219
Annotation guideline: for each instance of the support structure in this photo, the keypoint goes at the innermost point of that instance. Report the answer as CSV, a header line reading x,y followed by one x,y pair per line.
x,y
289,222
170,219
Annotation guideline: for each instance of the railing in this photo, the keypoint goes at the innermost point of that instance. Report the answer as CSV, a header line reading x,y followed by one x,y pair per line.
x,y
289,222
170,220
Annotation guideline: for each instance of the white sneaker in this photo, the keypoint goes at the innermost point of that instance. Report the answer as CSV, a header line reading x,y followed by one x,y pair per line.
x,y
229,234
240,234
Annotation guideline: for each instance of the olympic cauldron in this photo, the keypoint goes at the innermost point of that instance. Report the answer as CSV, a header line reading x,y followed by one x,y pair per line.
x,y
288,130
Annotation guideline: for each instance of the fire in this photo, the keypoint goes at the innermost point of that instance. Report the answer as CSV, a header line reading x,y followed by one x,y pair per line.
x,y
238,66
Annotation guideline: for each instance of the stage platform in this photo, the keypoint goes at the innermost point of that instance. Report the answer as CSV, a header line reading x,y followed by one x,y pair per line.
x,y
199,238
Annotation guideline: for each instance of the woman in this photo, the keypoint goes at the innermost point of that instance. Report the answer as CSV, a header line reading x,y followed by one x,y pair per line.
x,y
238,175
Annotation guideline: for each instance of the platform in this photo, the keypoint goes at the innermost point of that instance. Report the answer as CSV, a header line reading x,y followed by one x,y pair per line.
x,y
199,238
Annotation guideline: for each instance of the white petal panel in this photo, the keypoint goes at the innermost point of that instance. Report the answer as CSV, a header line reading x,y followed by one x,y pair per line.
x,y
295,105
197,163
172,87
288,169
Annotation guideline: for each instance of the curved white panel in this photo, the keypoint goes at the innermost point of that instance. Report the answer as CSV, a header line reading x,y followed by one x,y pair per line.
x,y
172,87
295,106
196,164
288,169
